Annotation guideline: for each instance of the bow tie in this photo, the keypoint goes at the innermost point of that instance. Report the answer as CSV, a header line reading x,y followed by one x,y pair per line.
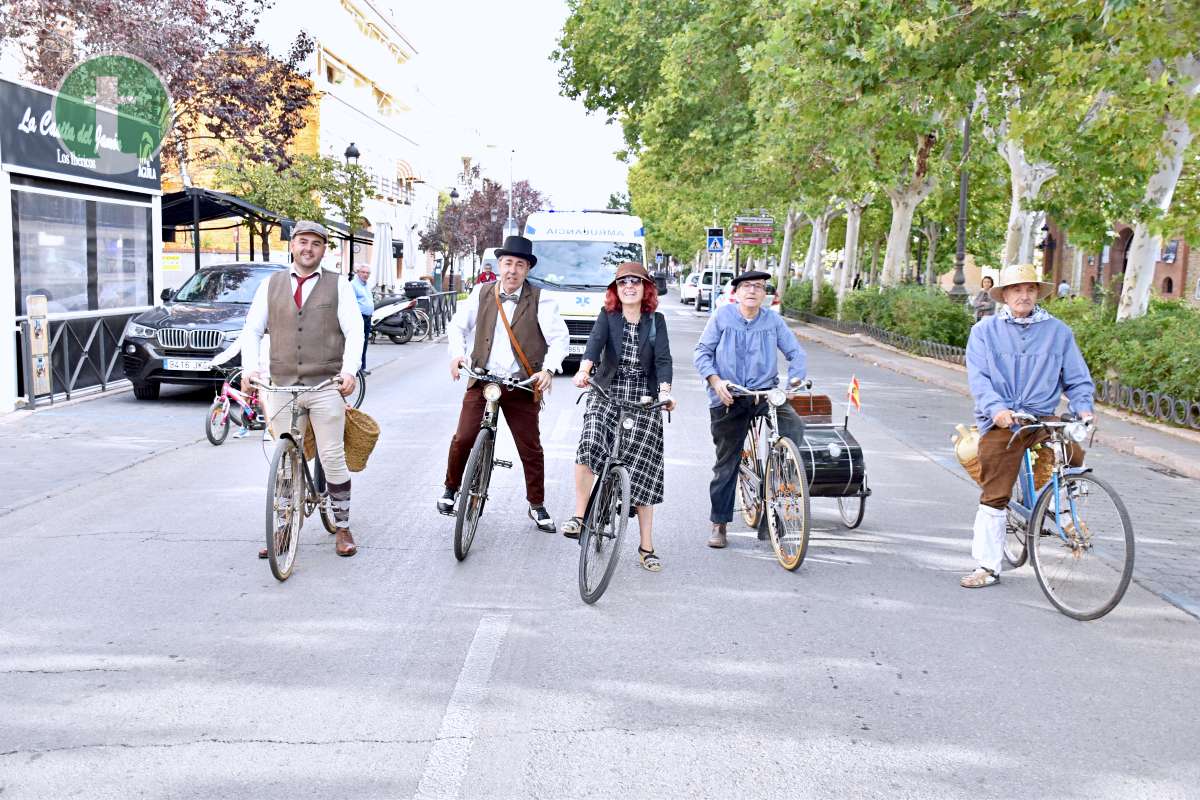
x,y
504,298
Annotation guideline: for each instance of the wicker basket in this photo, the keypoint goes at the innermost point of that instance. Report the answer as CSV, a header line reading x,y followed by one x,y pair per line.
x,y
361,433
1043,466
966,450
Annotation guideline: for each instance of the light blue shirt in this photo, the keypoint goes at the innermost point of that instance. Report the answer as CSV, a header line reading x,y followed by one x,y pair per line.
x,y
362,293
745,350
1025,366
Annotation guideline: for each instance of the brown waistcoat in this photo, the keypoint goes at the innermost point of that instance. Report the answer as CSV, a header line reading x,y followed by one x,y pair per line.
x,y
306,343
524,323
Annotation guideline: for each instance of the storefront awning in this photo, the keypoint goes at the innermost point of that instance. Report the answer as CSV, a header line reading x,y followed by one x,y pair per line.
x,y
406,172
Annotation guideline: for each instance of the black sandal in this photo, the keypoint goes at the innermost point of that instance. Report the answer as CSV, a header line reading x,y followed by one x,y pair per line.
x,y
649,560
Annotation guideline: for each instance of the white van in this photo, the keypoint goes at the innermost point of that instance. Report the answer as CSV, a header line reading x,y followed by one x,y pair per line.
x,y
577,257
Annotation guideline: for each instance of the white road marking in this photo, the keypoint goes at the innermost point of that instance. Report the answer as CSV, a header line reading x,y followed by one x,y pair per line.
x,y
446,764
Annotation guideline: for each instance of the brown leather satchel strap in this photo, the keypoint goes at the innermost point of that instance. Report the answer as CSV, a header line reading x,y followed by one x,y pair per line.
x,y
512,339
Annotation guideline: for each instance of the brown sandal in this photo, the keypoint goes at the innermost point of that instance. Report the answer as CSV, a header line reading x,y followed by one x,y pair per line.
x,y
978,579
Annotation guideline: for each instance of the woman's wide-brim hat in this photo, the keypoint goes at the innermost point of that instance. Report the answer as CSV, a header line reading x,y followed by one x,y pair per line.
x,y
631,268
1020,273
518,247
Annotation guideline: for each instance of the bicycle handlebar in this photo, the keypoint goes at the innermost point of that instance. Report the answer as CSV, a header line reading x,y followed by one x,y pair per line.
x,y
804,386
1071,426
652,406
487,377
297,389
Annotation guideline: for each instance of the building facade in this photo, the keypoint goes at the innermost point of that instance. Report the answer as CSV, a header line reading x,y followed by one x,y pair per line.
x,y
1176,274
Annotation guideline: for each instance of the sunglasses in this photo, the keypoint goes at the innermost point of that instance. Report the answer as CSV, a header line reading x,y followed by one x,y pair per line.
x,y
629,280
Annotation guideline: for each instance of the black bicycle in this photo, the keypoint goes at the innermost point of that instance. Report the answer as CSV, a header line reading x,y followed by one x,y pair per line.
x,y
609,506
477,475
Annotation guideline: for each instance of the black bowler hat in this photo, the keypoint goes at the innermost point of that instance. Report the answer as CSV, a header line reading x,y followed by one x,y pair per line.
x,y
752,275
518,247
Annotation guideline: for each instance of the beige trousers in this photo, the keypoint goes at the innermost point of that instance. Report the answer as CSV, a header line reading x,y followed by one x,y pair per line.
x,y
326,412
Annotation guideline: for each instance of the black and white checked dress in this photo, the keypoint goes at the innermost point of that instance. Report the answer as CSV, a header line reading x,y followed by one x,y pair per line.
x,y
642,449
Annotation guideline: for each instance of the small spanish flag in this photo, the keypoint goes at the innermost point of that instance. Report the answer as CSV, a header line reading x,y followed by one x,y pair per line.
x,y
852,393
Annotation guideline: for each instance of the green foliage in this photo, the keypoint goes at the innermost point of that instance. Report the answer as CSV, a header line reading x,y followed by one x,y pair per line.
x,y
912,311
798,299
1158,352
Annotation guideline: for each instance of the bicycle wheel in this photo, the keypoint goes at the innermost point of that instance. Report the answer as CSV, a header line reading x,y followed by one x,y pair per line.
x,y
360,389
787,504
324,504
216,426
285,509
750,479
1015,551
473,495
1085,571
603,530
421,325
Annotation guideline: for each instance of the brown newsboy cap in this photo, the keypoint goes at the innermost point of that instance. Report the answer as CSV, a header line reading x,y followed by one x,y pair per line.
x,y
631,268
308,226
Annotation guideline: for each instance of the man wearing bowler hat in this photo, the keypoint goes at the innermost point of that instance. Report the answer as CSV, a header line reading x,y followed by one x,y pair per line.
x,y
739,345
507,328
1018,360
316,334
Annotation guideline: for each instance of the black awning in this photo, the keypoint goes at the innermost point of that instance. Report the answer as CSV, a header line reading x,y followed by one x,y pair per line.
x,y
194,204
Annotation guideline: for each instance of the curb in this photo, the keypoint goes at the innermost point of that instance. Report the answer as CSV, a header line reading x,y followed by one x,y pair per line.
x,y
1120,444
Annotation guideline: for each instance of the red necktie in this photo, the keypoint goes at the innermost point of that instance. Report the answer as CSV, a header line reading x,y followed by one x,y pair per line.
x,y
300,286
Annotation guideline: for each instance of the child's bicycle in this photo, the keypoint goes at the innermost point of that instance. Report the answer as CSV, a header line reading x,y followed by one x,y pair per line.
x,y
232,405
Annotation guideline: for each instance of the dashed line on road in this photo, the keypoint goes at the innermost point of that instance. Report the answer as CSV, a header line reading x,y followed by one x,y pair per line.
x,y
446,764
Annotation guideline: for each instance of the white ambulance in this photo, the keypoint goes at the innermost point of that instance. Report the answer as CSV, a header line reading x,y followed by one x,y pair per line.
x,y
577,257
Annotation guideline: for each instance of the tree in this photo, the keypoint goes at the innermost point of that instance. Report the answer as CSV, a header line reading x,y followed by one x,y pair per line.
x,y
226,86
619,201
296,191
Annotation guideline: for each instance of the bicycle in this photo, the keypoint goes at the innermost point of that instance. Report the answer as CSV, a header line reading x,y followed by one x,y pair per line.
x,y
360,389
293,493
477,475
231,404
777,484
1086,530
609,506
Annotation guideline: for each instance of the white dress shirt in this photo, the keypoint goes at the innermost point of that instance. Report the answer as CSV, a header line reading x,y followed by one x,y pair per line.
x,y
349,319
460,333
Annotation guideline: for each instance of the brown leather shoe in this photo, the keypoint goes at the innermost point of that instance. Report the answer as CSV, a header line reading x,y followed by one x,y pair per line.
x,y
718,539
344,546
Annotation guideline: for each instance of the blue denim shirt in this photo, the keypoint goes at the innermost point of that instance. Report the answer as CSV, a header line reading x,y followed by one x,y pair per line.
x,y
745,350
1025,367
362,293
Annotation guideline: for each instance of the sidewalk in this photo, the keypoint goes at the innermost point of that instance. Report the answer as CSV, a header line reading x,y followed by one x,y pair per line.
x,y
1176,450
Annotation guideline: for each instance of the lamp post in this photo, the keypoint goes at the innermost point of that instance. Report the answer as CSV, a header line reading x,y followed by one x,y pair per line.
x,y
448,268
510,225
959,290
351,155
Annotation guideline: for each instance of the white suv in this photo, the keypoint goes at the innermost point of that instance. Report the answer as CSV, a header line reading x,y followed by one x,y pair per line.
x,y
689,288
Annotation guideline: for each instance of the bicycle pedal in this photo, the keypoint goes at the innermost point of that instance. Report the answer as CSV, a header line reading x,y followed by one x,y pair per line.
x,y
499,462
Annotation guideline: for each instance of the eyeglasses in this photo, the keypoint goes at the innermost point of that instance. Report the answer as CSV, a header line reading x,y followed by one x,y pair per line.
x,y
629,280
758,287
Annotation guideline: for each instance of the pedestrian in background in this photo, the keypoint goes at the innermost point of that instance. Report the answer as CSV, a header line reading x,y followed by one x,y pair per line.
x,y
1064,289
629,340
983,303
366,305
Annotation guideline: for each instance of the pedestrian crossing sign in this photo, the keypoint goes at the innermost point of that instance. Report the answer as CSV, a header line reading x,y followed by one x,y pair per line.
x,y
716,244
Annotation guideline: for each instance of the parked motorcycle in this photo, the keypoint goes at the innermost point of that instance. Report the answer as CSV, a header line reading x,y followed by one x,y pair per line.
x,y
399,319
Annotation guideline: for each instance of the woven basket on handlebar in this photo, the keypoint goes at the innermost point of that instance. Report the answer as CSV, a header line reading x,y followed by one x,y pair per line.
x,y
361,433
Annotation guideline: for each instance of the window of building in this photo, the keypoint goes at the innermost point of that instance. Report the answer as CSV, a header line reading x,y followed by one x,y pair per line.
x,y
83,253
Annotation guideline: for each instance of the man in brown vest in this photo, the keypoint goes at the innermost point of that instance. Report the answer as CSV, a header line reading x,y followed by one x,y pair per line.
x,y
316,334
541,335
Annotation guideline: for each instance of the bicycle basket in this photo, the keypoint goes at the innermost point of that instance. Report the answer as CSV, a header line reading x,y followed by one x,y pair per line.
x,y
359,437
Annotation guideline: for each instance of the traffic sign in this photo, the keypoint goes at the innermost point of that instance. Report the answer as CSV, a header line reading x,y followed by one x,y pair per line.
x,y
658,258
754,220
716,240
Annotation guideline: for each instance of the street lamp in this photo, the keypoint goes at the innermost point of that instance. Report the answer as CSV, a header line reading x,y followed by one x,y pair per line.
x,y
959,291
351,155
448,270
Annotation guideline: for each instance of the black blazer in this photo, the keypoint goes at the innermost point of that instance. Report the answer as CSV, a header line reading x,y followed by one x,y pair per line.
x,y
654,350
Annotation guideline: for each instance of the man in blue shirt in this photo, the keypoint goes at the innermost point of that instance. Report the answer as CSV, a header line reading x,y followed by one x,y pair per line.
x,y
366,304
1018,360
740,345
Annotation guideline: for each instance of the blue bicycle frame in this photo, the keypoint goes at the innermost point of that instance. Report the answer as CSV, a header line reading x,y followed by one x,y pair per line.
x,y
1025,479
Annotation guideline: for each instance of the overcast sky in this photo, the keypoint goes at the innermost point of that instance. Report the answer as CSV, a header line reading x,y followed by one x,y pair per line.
x,y
485,67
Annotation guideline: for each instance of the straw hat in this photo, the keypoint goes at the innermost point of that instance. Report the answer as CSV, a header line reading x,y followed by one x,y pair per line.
x,y
1020,273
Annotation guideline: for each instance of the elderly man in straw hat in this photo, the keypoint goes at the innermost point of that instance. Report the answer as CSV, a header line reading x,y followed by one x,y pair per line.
x,y
1018,360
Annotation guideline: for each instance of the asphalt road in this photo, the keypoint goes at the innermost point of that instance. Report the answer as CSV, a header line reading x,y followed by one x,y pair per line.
x,y
146,652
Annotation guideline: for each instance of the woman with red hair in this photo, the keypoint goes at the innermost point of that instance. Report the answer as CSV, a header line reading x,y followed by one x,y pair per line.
x,y
629,340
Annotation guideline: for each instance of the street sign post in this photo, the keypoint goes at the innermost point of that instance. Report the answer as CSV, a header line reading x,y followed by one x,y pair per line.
x,y
754,229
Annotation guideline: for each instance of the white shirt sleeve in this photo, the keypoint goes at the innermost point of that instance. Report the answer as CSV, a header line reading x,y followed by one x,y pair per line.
x,y
462,323
256,325
351,322
554,329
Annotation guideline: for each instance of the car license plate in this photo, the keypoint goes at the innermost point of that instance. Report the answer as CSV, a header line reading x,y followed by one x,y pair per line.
x,y
187,364
576,349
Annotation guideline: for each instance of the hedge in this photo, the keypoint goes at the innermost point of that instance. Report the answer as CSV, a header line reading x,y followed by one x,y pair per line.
x,y
913,311
798,299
